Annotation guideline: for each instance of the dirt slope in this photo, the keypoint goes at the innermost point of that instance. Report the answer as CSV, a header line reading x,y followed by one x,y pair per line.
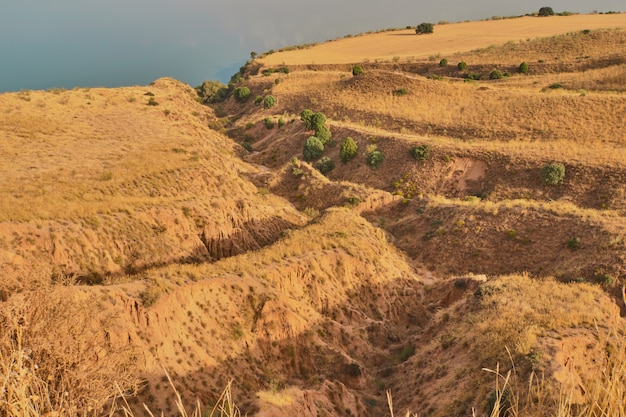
x,y
106,185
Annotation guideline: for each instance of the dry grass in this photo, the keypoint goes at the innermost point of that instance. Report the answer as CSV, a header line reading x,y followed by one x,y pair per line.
x,y
72,373
100,152
446,40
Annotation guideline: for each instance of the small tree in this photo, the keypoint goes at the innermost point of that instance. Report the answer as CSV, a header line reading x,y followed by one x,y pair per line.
x,y
269,102
553,174
306,116
424,28
461,65
546,11
313,149
443,63
495,75
523,67
325,165
269,122
323,133
356,70
421,152
348,149
317,120
375,159
241,94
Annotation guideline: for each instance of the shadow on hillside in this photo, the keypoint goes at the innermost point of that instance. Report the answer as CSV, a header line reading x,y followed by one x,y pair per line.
x,y
249,236
353,347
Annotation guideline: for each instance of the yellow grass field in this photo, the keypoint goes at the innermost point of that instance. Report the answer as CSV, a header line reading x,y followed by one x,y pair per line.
x,y
446,39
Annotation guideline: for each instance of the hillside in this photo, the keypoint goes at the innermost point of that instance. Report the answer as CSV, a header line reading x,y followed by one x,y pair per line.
x,y
141,231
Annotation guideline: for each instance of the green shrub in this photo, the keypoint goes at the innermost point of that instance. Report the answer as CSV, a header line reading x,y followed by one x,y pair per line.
x,y
269,102
443,63
375,159
553,174
401,92
356,70
323,133
241,94
546,11
523,68
306,116
152,102
573,243
325,165
313,149
258,100
406,353
277,81
421,152
281,122
461,65
348,149
317,120
269,122
495,75
247,146
424,28
212,91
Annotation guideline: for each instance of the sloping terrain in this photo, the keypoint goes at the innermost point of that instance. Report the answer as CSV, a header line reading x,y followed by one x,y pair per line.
x,y
98,184
135,240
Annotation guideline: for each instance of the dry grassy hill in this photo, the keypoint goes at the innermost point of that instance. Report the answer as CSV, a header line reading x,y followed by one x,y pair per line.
x,y
135,238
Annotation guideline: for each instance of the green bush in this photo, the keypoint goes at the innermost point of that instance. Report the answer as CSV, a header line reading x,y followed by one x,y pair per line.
x,y
573,243
421,152
306,116
317,120
348,149
461,65
424,28
212,91
269,122
553,174
281,122
523,68
474,76
323,133
247,146
495,75
325,165
356,70
258,100
269,102
152,102
546,11
375,159
443,63
401,92
313,149
241,94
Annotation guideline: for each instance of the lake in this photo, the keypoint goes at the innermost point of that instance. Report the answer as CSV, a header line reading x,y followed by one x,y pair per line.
x,y
68,43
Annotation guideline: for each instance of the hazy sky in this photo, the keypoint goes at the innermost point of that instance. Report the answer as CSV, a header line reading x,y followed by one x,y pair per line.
x,y
68,43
